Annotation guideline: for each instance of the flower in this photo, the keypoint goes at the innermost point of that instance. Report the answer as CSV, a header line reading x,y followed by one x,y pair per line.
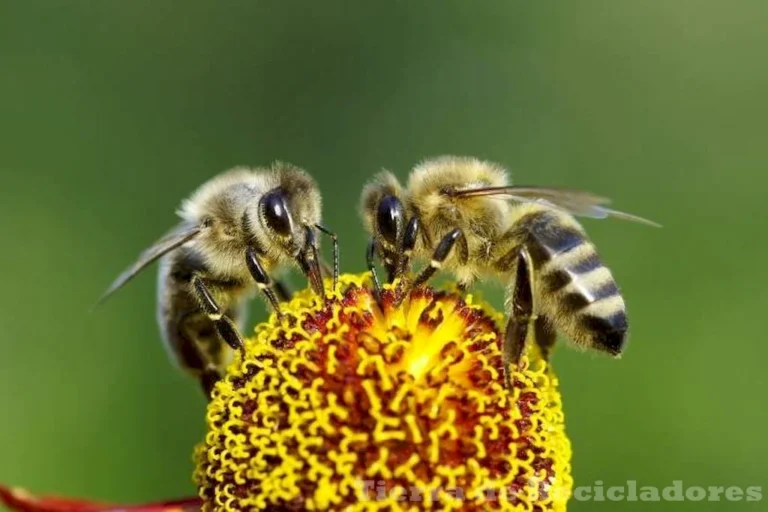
x,y
21,500
350,403
354,404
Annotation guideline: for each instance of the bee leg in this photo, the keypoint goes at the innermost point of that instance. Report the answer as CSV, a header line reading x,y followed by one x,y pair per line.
x,y
521,316
205,372
370,257
192,358
390,263
309,260
208,379
335,239
438,257
262,279
283,291
225,327
408,244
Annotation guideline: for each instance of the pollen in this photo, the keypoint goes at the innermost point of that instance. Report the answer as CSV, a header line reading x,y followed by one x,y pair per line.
x,y
357,405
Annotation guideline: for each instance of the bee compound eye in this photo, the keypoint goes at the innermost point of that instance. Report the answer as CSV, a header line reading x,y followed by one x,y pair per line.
x,y
274,210
389,218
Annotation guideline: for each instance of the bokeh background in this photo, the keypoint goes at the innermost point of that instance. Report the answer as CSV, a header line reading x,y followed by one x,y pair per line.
x,y
112,112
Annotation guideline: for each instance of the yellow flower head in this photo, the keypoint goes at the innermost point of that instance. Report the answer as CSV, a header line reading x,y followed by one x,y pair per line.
x,y
347,405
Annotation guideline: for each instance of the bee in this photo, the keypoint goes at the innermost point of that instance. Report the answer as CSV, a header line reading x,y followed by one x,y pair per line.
x,y
463,216
236,230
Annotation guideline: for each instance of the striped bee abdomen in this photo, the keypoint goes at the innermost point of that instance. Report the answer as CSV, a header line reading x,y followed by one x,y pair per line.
x,y
575,288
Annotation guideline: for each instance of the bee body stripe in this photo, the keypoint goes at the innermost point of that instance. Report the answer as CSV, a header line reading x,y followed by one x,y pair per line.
x,y
580,287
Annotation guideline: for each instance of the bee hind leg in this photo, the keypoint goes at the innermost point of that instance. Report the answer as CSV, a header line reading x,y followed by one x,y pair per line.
x,y
521,316
206,373
188,350
208,379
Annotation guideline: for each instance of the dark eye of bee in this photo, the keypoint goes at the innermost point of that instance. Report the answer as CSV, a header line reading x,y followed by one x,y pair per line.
x,y
275,212
389,218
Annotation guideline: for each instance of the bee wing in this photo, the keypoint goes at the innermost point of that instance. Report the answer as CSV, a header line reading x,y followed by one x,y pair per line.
x,y
172,240
576,202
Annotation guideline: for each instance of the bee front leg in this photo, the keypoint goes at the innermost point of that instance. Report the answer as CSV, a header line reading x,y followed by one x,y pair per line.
x,y
225,327
408,244
309,260
370,258
439,256
521,315
335,240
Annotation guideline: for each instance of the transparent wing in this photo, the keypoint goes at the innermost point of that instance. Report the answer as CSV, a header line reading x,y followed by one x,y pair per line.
x,y
576,202
172,240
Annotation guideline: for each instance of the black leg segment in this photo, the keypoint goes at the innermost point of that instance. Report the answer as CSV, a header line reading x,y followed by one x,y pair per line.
x,y
335,240
225,327
262,279
370,258
438,257
282,290
409,242
208,379
309,259
522,311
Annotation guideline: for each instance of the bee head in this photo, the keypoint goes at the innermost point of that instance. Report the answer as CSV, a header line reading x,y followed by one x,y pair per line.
x,y
383,210
285,211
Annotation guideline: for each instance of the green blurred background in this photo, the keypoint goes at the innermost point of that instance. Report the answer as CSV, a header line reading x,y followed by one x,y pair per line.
x,y
112,112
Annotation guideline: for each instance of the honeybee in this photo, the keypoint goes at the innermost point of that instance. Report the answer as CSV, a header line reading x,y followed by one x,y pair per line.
x,y
237,229
463,216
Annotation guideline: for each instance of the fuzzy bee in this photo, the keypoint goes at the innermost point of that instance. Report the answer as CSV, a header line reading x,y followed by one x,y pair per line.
x,y
462,215
236,230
